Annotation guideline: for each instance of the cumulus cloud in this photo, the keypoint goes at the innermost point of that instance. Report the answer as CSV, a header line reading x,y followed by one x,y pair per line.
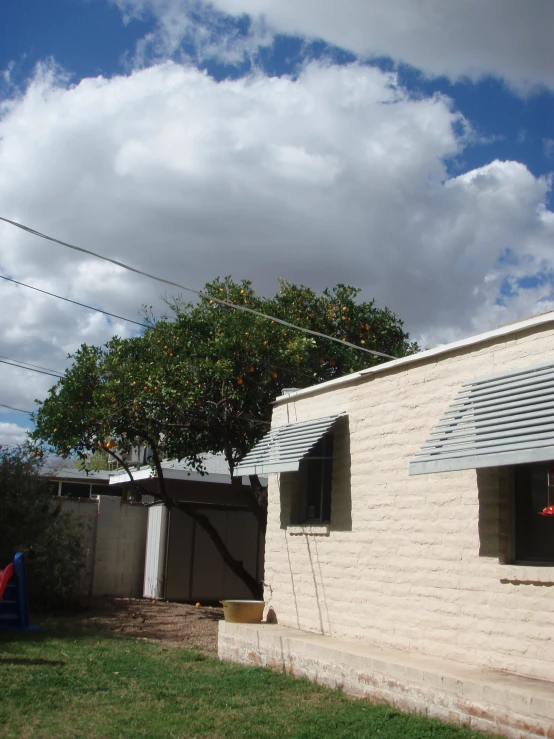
x,y
11,434
338,175
504,38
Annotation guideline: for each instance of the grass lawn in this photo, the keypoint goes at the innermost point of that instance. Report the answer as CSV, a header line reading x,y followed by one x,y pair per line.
x,y
79,681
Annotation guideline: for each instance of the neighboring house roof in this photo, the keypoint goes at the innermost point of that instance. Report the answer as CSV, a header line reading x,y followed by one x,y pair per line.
x,y
72,474
215,465
217,470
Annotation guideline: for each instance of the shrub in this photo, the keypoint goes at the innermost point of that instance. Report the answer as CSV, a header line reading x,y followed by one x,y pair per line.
x,y
31,521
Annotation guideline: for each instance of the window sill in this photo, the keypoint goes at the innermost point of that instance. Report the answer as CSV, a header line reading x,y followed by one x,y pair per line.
x,y
308,530
531,574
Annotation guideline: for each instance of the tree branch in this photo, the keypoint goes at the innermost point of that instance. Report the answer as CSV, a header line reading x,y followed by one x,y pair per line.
x,y
234,565
202,520
134,483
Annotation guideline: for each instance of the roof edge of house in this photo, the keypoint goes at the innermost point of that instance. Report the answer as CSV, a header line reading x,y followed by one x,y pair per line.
x,y
511,328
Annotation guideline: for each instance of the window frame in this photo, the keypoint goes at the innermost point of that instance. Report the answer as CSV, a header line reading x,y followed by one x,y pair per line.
x,y
519,546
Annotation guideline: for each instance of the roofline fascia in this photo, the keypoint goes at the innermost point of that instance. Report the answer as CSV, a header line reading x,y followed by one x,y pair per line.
x,y
512,328
173,474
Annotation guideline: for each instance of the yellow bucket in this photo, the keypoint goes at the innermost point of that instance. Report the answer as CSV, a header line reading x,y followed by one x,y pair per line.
x,y
243,611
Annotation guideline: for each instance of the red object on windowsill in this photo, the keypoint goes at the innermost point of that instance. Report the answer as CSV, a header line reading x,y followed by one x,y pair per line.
x,y
549,510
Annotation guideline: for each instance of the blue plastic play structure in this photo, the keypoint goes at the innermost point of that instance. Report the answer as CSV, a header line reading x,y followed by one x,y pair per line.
x,y
14,603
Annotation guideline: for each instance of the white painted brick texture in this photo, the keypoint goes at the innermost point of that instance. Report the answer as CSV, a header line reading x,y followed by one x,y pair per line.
x,y
405,563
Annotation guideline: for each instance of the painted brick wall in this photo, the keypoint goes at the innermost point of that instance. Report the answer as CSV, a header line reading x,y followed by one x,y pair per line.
x,y
415,563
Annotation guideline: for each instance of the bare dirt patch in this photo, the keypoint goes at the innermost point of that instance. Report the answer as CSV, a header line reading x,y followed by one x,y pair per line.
x,y
172,624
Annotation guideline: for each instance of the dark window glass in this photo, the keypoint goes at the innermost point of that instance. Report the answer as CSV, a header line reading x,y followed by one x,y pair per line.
x,y
317,476
76,489
106,490
534,534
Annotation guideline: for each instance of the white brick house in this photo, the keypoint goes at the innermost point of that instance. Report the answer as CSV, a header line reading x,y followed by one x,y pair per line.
x,y
452,565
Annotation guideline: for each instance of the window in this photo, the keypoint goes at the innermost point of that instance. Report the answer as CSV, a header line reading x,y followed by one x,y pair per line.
x,y
114,490
316,473
533,534
75,490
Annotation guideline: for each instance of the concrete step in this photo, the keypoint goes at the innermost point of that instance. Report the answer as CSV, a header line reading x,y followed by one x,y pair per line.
x,y
485,699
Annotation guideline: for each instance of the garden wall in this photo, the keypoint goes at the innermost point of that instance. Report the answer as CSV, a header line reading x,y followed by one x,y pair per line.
x,y
114,537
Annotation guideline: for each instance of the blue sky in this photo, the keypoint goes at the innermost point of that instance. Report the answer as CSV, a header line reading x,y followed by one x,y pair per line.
x,y
408,151
90,38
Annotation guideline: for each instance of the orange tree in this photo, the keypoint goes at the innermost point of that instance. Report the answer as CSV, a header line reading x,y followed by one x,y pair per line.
x,y
233,364
203,381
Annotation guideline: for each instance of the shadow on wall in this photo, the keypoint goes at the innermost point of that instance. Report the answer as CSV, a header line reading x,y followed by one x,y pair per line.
x,y
341,494
494,490
293,508
293,493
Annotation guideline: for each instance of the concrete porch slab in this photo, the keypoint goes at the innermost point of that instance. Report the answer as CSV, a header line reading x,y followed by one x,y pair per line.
x,y
486,700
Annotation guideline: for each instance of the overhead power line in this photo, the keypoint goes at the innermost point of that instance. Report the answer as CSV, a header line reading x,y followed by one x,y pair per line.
x,y
31,369
98,310
19,410
192,290
30,365
75,302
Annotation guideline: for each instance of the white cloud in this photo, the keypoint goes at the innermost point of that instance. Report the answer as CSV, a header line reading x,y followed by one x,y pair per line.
x,y
508,39
11,434
338,176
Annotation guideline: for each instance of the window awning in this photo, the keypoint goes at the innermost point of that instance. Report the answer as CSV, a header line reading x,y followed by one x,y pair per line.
x,y
500,420
283,448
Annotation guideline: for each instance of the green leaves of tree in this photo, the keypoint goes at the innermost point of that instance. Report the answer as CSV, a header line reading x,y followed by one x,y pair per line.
x,y
204,381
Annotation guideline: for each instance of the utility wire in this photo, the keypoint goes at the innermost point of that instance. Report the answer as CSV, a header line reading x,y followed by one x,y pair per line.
x,y
75,302
31,366
42,372
192,290
19,410
98,310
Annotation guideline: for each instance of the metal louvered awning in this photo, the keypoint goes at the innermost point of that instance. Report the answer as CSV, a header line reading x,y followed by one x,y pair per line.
x,y
283,448
495,421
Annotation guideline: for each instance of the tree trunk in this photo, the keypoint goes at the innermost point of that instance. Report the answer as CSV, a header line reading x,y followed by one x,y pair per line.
x,y
235,565
204,522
